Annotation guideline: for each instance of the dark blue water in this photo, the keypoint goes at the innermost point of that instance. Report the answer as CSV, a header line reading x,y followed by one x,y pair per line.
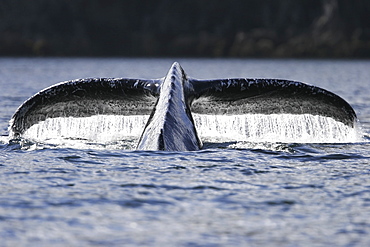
x,y
270,194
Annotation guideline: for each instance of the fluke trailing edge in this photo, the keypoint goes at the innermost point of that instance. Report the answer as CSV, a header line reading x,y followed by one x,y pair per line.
x,y
170,102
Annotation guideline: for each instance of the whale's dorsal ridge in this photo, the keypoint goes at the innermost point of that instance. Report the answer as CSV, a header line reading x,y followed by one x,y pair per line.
x,y
171,124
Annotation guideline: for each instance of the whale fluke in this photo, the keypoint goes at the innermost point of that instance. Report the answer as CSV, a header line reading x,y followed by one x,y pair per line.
x,y
171,100
268,96
84,98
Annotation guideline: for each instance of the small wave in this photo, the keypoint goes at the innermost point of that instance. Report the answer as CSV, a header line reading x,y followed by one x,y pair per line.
x,y
4,139
58,143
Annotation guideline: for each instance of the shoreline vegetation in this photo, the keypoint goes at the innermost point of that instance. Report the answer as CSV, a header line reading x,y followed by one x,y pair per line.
x,y
193,28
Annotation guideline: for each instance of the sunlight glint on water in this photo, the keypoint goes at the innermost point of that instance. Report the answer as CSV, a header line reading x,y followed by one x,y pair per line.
x,y
250,127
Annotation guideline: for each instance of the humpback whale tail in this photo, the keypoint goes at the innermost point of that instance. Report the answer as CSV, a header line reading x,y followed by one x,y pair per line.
x,y
170,102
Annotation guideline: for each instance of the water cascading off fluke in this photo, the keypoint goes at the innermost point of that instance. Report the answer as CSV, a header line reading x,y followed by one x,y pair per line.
x,y
176,112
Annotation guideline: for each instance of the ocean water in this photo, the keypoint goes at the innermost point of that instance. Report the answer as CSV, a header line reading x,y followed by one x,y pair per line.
x,y
271,191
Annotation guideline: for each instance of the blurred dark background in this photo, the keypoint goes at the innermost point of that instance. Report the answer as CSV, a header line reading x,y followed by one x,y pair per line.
x,y
191,28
